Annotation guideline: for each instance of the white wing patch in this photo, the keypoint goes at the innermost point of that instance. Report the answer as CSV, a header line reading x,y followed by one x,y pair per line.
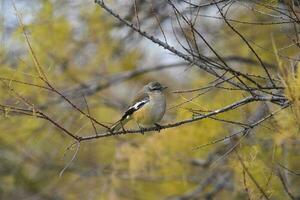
x,y
139,104
134,108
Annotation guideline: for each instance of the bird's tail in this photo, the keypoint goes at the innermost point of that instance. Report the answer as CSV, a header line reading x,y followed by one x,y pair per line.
x,y
119,124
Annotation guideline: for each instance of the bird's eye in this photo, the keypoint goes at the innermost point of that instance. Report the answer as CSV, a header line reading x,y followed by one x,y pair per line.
x,y
154,88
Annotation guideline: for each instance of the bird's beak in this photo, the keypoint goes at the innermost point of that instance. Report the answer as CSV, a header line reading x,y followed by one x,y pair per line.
x,y
164,87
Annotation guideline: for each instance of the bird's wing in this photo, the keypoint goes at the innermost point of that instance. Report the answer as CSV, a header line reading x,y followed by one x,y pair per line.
x,y
140,100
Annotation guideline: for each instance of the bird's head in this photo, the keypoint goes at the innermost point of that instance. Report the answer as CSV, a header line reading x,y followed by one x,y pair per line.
x,y
154,87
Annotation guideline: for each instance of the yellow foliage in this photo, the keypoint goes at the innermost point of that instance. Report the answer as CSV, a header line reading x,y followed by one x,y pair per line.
x,y
155,165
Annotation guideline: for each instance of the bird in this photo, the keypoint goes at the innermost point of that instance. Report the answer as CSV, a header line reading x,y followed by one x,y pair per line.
x,y
147,108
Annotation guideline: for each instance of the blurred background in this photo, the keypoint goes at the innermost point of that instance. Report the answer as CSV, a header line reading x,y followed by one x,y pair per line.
x,y
99,63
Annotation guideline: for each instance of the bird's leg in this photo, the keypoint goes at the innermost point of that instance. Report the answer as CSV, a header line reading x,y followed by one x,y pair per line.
x,y
158,126
141,128
123,127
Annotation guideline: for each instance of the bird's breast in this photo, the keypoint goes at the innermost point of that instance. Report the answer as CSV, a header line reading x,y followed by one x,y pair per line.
x,y
152,112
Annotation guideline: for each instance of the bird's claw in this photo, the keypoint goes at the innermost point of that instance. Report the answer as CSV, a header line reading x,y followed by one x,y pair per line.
x,y
158,126
142,130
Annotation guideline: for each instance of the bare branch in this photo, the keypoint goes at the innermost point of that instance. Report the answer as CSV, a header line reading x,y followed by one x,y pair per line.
x,y
252,177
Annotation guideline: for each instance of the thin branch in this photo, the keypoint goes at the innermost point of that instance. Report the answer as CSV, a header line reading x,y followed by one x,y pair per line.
x,y
285,186
136,13
247,43
72,159
89,113
232,106
289,170
24,83
245,185
162,44
243,130
252,177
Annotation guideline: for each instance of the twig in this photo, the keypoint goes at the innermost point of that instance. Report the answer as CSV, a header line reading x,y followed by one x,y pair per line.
x,y
164,45
88,109
285,187
251,176
247,43
289,170
72,159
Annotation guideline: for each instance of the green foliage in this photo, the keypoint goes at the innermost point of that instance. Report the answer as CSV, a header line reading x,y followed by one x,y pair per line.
x,y
150,166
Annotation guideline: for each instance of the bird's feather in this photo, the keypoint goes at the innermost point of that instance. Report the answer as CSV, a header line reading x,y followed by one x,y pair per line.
x,y
140,100
134,108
